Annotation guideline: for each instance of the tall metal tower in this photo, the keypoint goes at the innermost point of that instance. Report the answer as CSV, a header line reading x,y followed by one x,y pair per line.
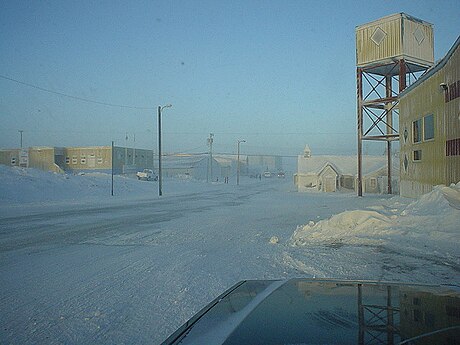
x,y
391,53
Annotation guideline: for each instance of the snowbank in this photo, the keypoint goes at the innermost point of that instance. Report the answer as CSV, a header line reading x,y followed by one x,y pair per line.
x,y
432,221
352,227
27,185
452,195
435,202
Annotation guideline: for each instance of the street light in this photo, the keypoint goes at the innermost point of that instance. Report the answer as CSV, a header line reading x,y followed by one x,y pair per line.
x,y
160,108
20,132
238,163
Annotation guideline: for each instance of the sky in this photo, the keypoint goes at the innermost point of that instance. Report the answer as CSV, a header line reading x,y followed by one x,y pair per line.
x,y
278,74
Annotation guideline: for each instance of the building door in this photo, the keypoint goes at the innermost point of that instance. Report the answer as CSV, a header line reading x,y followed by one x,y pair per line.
x,y
329,184
92,161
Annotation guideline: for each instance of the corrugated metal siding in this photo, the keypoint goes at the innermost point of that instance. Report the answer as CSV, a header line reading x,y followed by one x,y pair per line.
x,y
41,158
425,100
452,113
423,52
435,167
89,153
7,155
398,43
367,51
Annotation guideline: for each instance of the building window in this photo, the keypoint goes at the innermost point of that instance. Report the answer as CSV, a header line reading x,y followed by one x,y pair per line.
x,y
453,147
453,91
74,159
373,183
428,127
67,160
83,160
417,155
417,131
99,160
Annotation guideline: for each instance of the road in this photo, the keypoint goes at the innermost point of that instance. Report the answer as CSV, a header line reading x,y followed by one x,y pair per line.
x,y
122,272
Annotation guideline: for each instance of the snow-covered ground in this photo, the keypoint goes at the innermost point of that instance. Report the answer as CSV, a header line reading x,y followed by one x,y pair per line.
x,y
80,266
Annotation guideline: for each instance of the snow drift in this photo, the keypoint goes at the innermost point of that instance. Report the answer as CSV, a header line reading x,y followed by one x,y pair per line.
x,y
435,216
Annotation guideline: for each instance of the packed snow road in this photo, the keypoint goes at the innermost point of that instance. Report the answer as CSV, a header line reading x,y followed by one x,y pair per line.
x,y
132,270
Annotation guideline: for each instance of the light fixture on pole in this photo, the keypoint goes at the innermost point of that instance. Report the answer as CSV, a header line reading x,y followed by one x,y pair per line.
x,y
160,109
238,162
20,132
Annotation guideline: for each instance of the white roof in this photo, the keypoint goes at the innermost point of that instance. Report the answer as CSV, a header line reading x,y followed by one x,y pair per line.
x,y
188,161
345,165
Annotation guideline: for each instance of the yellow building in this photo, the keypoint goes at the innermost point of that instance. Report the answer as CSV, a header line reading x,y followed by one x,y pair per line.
x,y
429,125
39,157
80,159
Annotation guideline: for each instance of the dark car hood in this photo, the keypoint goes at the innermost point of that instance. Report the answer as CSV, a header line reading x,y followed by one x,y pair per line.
x,y
311,311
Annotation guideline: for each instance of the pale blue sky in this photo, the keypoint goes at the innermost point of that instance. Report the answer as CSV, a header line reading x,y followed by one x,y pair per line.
x,y
278,74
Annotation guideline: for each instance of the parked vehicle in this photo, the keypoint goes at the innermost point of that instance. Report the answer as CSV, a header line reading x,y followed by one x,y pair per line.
x,y
322,311
146,175
267,174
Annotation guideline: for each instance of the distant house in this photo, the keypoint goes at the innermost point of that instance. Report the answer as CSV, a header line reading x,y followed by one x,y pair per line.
x,y
430,127
191,166
332,173
227,166
258,164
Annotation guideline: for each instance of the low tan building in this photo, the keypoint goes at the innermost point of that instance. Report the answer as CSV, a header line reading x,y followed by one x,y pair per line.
x,y
80,159
43,158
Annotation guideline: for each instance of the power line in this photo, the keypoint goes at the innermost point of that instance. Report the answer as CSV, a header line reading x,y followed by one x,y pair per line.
x,y
75,97
263,133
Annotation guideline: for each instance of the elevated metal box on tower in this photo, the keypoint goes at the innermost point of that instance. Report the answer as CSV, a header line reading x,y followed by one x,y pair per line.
x,y
395,37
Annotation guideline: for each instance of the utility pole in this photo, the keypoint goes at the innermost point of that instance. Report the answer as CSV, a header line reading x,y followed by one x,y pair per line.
x,y
113,155
160,180
210,141
20,131
160,192
238,162
134,149
126,151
